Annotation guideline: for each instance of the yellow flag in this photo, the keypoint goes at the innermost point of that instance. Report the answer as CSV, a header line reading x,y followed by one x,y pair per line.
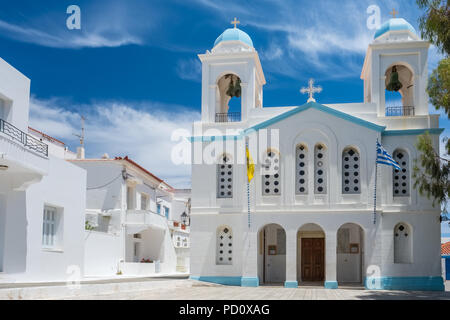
x,y
250,166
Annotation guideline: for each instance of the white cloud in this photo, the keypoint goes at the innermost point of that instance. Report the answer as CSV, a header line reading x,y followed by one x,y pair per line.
x,y
273,52
63,39
189,69
144,133
327,38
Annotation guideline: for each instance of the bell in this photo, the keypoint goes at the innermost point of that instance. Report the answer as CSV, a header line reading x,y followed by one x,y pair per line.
x,y
237,88
394,84
230,91
234,88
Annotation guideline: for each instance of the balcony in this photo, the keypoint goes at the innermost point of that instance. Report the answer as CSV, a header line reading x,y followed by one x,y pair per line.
x,y
23,138
228,117
402,111
138,220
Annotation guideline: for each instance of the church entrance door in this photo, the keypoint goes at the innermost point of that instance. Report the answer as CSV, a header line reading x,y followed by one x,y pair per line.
x,y
272,255
313,258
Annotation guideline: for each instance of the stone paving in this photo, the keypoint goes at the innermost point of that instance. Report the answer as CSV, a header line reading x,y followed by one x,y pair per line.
x,y
195,290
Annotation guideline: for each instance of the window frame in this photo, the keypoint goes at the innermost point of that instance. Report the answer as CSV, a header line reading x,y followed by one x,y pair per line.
x,y
56,224
353,185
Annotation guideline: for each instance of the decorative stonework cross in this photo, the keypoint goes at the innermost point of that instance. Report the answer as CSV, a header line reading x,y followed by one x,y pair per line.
x,y
311,90
235,22
393,13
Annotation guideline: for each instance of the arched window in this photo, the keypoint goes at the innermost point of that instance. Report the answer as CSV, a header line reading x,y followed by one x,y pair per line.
x,y
402,243
301,170
401,179
320,169
351,180
225,177
224,245
271,174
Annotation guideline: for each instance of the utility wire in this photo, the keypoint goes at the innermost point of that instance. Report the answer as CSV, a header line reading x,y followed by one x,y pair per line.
x,y
106,184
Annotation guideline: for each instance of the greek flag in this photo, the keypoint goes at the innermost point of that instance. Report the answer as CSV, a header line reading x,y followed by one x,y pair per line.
x,y
383,157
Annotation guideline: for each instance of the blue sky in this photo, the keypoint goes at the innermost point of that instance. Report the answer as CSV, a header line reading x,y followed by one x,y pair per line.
x,y
133,70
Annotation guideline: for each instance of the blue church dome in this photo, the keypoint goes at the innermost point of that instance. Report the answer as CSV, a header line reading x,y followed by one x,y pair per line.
x,y
234,34
394,24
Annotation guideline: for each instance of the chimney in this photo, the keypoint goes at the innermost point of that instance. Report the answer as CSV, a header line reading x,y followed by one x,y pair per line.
x,y
80,152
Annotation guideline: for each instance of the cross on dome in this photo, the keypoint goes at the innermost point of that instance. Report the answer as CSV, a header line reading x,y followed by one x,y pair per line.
x,y
235,22
311,90
393,13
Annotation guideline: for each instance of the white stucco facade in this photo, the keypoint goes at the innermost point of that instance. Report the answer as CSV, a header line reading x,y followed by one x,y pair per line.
x,y
129,220
312,209
41,215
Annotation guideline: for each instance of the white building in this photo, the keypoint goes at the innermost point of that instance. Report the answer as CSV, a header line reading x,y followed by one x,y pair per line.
x,y
311,199
42,196
128,214
179,227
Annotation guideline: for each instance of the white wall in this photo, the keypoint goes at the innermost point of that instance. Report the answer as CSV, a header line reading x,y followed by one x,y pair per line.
x,y
24,256
15,93
70,198
103,192
102,253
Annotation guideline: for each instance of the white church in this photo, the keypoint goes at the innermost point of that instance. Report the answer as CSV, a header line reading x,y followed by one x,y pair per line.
x,y
308,215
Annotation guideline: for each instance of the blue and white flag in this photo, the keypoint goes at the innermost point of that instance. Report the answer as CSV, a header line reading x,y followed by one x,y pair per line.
x,y
383,157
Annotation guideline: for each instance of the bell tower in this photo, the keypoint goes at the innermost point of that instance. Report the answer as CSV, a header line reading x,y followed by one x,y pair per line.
x,y
232,69
396,61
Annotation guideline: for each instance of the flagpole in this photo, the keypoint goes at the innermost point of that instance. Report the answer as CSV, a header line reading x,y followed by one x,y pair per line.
x,y
375,187
248,185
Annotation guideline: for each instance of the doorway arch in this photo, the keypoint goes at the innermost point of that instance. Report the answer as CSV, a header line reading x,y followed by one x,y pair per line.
x,y
310,253
350,253
272,254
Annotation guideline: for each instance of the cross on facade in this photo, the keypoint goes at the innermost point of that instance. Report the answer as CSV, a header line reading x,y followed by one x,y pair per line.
x,y
311,90
393,13
235,22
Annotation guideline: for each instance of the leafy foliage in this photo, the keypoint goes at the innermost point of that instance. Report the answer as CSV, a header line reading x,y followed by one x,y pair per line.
x,y
432,177
439,86
87,226
431,172
435,23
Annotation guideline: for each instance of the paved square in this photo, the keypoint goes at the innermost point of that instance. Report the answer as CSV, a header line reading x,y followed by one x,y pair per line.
x,y
195,290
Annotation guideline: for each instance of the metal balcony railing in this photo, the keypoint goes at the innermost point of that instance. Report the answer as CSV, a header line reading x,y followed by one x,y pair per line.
x,y
23,138
228,117
399,111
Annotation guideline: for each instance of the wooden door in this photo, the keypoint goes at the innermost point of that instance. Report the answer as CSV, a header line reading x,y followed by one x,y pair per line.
x,y
313,262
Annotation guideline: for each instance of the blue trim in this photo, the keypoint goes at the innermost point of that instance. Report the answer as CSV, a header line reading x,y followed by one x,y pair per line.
x,y
412,132
405,283
288,114
319,107
249,282
291,284
228,281
331,285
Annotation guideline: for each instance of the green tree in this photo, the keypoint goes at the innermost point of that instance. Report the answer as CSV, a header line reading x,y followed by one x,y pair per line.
x,y
432,176
432,179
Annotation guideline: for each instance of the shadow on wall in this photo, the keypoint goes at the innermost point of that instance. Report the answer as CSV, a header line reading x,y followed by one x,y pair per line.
x,y
14,246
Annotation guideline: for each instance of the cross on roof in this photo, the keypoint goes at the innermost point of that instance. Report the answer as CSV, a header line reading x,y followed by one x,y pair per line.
x,y
393,13
235,22
311,90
